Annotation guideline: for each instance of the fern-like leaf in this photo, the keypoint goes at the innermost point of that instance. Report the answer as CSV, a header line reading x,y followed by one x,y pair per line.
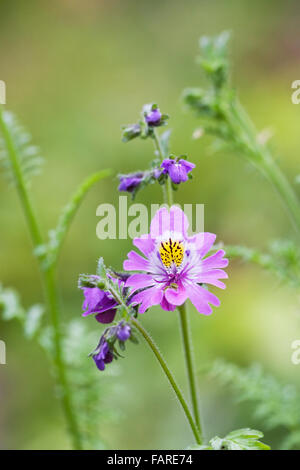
x,y
241,439
89,387
14,138
275,404
282,259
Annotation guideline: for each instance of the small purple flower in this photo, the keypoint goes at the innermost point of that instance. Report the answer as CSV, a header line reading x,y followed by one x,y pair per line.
x,y
153,117
102,354
177,169
130,182
123,331
99,302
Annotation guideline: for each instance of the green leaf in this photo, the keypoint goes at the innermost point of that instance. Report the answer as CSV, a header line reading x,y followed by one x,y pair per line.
x,y
101,269
14,139
241,439
57,236
275,404
33,320
10,305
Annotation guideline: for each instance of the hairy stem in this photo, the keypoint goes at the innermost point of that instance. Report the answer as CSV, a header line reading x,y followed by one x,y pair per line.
x,y
48,282
170,378
187,346
61,377
167,187
263,160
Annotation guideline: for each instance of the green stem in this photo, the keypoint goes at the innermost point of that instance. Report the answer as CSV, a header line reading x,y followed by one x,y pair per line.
x,y
171,379
264,161
48,281
285,190
187,346
70,210
60,368
167,187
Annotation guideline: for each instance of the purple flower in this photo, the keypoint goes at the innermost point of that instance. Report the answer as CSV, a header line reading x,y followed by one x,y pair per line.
x,y
130,182
177,169
174,265
102,354
153,117
123,331
99,302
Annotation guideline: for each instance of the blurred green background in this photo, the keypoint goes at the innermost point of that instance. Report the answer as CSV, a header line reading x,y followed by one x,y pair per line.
x,y
75,72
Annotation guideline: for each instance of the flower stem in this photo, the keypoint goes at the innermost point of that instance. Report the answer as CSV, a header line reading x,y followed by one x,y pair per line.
x,y
167,187
48,282
61,376
263,160
187,346
171,379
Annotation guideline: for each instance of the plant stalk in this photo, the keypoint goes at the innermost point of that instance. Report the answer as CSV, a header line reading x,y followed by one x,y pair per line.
x,y
48,283
171,380
187,347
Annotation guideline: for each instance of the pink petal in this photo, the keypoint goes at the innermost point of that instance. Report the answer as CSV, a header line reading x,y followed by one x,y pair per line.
x,y
204,241
201,298
173,221
135,262
148,298
166,306
145,244
176,296
139,281
212,277
215,261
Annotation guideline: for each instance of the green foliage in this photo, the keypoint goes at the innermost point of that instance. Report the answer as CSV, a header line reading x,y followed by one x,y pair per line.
x,y
223,116
11,308
89,387
283,259
10,305
275,404
15,138
217,106
49,252
214,58
241,439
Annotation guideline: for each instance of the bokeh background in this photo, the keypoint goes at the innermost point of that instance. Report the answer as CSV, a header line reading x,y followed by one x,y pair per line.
x,y
75,72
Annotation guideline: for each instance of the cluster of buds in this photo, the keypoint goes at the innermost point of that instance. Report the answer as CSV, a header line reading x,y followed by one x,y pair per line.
x,y
106,350
151,117
166,166
105,295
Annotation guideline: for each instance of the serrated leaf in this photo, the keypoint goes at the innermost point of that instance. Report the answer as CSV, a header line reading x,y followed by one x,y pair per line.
x,y
14,138
10,306
241,439
33,320
101,269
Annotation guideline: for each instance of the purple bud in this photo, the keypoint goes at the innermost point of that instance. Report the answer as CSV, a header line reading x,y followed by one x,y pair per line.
x,y
102,355
123,331
130,182
153,117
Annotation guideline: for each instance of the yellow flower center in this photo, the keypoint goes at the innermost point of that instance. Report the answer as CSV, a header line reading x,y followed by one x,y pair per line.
x,y
171,252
